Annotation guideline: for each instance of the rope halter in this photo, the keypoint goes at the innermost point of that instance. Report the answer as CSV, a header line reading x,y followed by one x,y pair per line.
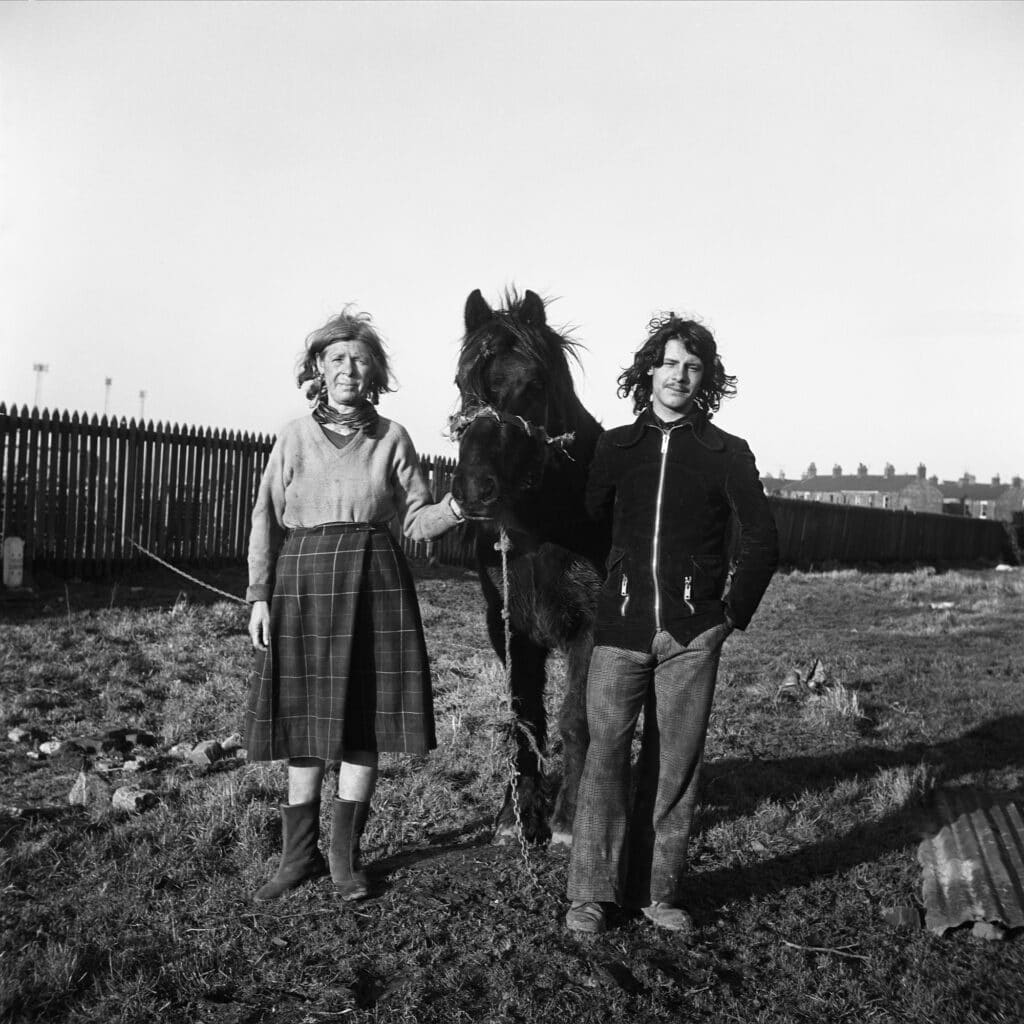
x,y
458,424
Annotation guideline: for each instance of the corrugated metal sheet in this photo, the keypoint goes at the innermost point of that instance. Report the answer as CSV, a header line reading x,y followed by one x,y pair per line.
x,y
974,862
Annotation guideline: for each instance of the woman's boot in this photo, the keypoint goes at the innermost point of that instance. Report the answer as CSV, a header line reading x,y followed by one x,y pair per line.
x,y
347,824
300,856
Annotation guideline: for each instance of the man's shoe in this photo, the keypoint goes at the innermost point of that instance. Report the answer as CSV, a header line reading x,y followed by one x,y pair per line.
x,y
584,916
672,919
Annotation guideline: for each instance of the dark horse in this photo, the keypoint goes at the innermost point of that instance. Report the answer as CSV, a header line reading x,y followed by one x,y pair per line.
x,y
525,444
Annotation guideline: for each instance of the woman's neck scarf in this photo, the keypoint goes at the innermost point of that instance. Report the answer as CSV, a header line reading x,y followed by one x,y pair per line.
x,y
362,417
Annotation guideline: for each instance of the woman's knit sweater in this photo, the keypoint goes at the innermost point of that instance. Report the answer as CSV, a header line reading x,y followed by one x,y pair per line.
x,y
308,481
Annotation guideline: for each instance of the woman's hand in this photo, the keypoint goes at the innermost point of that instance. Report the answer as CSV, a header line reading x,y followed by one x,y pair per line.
x,y
259,625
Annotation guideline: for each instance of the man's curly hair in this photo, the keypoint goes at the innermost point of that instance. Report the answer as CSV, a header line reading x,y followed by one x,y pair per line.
x,y
699,341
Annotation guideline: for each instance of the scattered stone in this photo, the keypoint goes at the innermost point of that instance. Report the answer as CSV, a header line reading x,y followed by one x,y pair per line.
x,y
940,606
133,765
903,915
242,754
206,753
19,735
128,798
231,744
89,790
180,751
34,755
991,931
51,747
1003,567
791,687
818,677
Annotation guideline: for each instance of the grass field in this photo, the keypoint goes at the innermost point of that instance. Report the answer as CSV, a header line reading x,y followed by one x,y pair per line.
x,y
812,811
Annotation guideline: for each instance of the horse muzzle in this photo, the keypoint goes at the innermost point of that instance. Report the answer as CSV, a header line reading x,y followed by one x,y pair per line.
x,y
477,492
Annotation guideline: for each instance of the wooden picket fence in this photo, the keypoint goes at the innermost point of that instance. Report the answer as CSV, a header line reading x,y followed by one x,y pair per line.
x,y
79,489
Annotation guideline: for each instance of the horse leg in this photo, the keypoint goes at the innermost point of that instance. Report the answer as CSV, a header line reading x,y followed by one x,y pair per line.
x,y
528,679
572,724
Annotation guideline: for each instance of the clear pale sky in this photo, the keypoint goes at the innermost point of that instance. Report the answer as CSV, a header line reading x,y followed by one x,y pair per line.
x,y
837,190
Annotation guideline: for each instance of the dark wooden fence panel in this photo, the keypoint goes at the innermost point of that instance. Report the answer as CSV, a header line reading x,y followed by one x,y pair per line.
x,y
813,534
79,490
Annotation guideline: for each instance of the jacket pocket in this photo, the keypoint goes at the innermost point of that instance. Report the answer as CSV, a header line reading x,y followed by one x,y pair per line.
x,y
694,580
614,599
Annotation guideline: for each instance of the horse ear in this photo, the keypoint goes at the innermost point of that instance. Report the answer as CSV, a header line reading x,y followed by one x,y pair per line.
x,y
532,310
478,312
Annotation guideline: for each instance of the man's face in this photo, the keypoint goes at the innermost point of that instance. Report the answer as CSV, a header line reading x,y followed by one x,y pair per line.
x,y
675,383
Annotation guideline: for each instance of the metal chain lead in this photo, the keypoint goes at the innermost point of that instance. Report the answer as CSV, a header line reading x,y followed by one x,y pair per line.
x,y
504,545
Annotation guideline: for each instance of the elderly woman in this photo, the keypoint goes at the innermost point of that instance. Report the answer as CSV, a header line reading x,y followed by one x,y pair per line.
x,y
342,669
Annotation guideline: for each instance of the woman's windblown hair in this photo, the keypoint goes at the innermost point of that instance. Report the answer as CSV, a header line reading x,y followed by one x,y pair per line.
x,y
348,325
699,341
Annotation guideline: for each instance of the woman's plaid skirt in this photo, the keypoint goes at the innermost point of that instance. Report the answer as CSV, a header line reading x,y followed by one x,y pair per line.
x,y
346,668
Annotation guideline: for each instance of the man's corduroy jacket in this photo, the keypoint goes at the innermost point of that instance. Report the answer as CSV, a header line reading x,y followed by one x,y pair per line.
x,y
675,492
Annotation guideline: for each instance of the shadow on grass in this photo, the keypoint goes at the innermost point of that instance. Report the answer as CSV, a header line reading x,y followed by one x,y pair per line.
x,y
740,785
444,844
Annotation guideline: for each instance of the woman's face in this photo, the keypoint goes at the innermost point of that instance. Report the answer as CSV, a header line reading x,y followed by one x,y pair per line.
x,y
347,367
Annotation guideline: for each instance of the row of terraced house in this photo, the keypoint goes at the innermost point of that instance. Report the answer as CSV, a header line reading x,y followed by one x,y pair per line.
x,y
915,492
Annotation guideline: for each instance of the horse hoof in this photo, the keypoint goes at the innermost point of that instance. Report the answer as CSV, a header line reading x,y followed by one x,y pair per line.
x,y
560,838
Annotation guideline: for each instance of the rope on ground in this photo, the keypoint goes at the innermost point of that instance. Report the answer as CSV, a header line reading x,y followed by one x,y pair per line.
x,y
504,545
191,579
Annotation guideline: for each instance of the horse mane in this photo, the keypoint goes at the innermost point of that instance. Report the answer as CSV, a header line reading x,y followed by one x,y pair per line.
x,y
508,328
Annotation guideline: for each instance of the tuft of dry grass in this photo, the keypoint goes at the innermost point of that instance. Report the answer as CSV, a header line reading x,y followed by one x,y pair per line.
x,y
836,706
901,788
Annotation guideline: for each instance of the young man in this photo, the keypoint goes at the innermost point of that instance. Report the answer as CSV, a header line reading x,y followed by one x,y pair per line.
x,y
676,488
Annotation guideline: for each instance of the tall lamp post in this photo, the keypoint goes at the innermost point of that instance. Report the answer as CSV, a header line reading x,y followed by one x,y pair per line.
x,y
40,369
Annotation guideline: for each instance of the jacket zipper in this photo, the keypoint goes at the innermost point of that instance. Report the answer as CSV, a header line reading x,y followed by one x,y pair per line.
x,y
657,530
